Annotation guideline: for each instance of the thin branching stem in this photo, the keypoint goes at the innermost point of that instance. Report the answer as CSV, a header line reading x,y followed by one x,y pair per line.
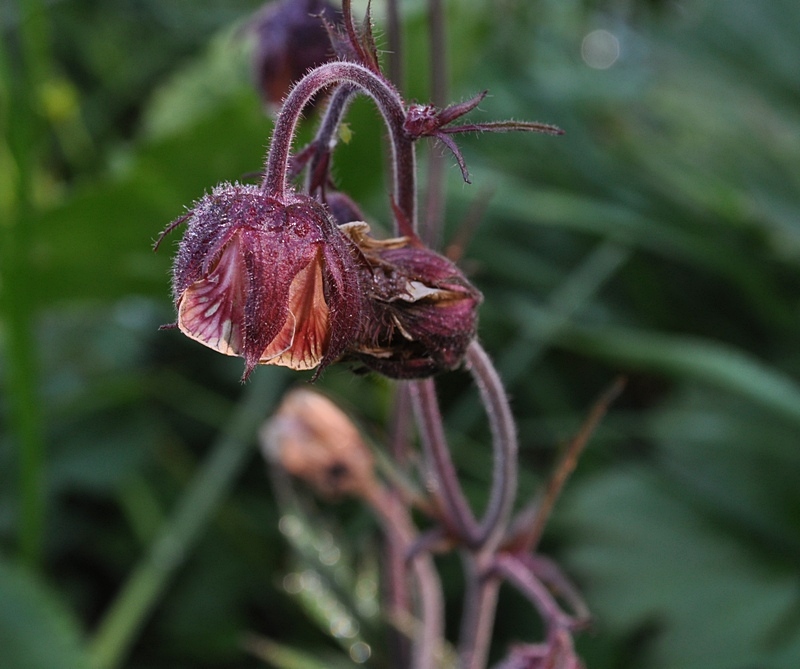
x,y
327,133
480,606
394,36
428,631
538,513
391,107
458,516
526,582
434,197
504,445
396,552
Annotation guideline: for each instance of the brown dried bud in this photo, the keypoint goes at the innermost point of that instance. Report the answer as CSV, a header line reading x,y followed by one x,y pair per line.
x,y
312,439
421,310
291,38
274,282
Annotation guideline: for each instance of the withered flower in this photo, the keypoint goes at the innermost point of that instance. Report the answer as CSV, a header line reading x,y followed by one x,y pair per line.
x,y
274,282
291,38
313,439
421,310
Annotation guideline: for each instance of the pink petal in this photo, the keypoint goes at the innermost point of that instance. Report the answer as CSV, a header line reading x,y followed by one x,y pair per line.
x,y
303,341
211,310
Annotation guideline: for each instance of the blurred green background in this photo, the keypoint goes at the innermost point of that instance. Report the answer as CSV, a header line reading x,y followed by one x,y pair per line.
x,y
659,238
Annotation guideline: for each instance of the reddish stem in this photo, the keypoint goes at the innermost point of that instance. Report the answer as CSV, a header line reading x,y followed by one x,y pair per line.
x,y
389,104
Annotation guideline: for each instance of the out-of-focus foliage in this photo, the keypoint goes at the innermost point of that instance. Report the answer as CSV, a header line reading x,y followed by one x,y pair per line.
x,y
659,238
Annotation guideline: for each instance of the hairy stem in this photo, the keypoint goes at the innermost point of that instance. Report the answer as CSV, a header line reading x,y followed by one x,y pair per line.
x,y
428,631
326,137
458,515
434,197
480,606
529,585
504,446
391,107
395,43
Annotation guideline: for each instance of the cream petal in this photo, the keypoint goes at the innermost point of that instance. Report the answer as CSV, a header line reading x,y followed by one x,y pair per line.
x,y
302,342
210,310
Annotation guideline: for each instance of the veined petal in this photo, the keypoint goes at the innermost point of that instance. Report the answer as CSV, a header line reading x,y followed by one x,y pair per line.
x,y
211,310
303,341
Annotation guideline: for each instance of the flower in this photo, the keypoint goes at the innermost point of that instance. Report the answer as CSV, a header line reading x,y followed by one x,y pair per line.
x,y
291,38
421,312
272,281
313,439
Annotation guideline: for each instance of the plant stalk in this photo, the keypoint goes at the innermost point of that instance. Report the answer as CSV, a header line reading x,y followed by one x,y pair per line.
x,y
391,107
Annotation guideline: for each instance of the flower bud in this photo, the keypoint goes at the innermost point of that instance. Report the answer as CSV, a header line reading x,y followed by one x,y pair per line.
x,y
273,282
291,38
421,312
312,439
343,209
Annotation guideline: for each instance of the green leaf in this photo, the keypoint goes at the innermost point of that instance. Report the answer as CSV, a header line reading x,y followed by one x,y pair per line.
x,y
99,243
648,559
36,631
286,657
715,363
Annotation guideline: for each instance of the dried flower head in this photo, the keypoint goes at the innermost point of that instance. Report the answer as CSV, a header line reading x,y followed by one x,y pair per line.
x,y
291,38
312,439
271,281
421,310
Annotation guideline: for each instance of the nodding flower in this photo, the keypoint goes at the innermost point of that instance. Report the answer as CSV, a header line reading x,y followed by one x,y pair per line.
x,y
313,439
275,282
421,311
291,38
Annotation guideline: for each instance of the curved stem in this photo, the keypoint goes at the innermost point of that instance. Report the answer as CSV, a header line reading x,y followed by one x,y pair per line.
x,y
429,633
434,210
458,515
480,608
391,107
523,578
504,445
325,139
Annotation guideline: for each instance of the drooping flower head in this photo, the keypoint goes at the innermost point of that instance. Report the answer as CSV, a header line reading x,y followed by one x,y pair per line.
x,y
421,310
313,439
271,281
291,38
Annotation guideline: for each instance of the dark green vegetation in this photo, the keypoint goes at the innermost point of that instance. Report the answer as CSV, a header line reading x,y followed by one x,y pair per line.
x,y
659,238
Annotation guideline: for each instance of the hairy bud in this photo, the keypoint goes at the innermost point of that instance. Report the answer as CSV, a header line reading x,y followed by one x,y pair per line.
x,y
291,38
421,310
314,440
273,282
